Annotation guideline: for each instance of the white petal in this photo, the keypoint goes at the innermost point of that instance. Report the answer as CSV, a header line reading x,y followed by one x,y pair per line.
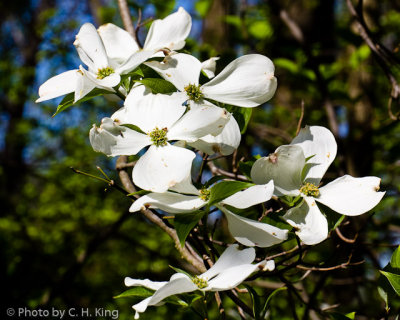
x,y
153,285
59,85
247,82
225,143
106,83
180,69
208,67
351,196
186,185
153,110
311,223
231,257
114,140
84,84
169,202
169,32
199,121
284,167
160,168
118,43
179,284
251,196
232,277
134,61
320,143
253,233
90,47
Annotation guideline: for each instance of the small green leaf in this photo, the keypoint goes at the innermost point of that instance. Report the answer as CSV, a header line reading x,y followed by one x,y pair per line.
x,y
339,316
68,100
225,189
260,29
267,303
213,180
245,167
139,193
158,85
242,116
394,280
202,7
255,299
395,260
133,127
185,222
384,295
140,292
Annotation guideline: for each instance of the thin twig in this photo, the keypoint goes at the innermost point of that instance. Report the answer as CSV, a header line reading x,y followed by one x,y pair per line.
x,y
127,20
215,170
341,236
301,118
339,266
196,262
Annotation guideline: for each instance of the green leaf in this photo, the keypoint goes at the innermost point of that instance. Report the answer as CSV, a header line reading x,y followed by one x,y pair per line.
x,y
158,85
395,260
242,116
213,180
68,100
133,127
139,193
140,292
225,189
339,316
267,303
394,280
255,299
245,167
185,222
384,295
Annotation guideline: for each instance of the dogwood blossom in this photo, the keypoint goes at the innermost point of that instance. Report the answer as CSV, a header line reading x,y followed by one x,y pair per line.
x,y
159,119
247,81
110,52
231,269
190,199
297,170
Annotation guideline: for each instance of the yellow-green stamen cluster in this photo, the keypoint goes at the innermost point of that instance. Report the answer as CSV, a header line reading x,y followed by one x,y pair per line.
x,y
159,137
105,72
199,282
193,92
204,194
310,189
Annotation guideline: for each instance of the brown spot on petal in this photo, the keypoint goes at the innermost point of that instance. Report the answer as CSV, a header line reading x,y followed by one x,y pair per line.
x,y
273,158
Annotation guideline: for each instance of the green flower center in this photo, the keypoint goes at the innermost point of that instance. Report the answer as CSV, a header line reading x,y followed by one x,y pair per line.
x,y
159,137
105,72
204,194
199,282
310,189
193,92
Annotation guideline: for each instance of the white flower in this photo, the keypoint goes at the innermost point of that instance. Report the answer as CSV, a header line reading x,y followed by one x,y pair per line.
x,y
110,52
161,118
297,170
247,81
244,230
231,269
208,67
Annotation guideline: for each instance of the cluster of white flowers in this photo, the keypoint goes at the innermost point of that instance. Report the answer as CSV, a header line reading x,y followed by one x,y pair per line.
x,y
167,130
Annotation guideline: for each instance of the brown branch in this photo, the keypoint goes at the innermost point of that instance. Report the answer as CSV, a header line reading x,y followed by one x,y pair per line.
x,y
381,54
339,266
301,118
127,20
196,262
215,170
341,236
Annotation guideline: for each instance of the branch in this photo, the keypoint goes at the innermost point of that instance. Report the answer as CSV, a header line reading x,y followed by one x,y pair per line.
x,y
215,170
127,20
184,251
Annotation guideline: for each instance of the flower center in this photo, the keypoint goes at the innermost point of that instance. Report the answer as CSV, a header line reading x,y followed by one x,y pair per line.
x,y
193,92
204,194
309,189
105,72
159,137
199,282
